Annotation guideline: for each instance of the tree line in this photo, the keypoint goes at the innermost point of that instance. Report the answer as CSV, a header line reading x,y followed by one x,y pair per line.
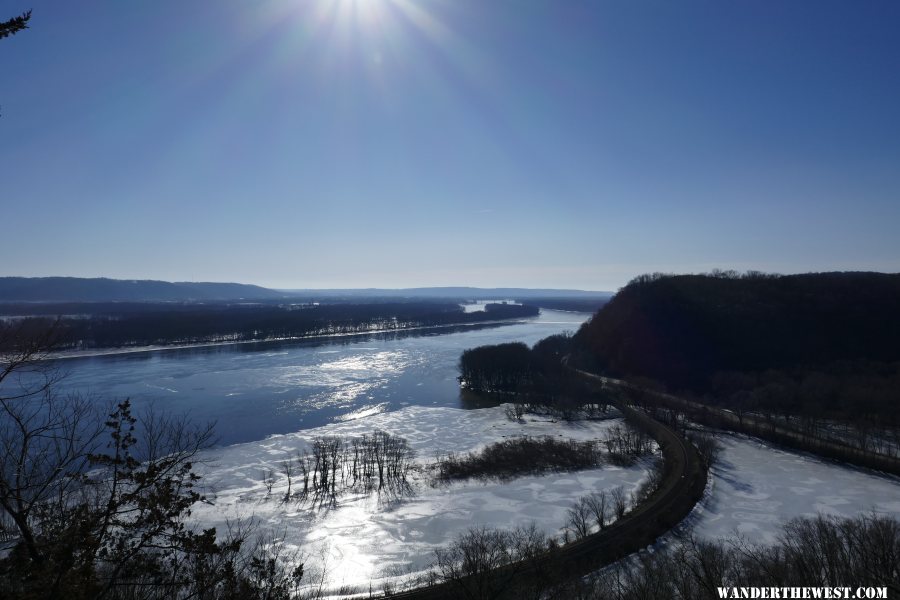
x,y
533,380
519,456
810,552
514,368
497,368
181,324
817,552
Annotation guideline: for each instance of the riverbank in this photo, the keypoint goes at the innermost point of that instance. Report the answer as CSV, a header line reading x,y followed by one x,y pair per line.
x,y
100,352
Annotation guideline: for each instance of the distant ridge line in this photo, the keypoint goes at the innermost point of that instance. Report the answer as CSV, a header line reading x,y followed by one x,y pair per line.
x,y
103,289
455,292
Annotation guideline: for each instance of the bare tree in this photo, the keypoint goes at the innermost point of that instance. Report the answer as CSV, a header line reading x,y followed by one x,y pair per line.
x,y
578,519
94,505
268,478
303,462
819,551
598,505
287,467
45,439
619,501
471,564
707,445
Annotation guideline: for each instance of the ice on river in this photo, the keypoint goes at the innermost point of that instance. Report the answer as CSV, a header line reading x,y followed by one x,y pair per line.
x,y
365,539
757,487
754,488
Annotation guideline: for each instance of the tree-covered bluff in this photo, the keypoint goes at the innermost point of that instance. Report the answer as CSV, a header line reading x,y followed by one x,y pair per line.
x,y
757,339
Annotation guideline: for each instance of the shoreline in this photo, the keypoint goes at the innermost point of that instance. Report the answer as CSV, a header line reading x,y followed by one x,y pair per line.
x,y
102,352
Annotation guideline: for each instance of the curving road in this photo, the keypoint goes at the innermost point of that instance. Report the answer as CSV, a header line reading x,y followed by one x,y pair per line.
x,y
683,484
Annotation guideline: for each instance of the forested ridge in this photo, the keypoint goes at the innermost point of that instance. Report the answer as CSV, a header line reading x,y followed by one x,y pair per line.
x,y
822,342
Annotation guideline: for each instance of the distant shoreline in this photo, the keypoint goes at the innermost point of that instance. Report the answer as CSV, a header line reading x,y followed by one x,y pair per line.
x,y
102,352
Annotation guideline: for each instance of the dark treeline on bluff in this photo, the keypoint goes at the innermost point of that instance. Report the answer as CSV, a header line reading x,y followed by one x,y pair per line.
x,y
201,323
823,344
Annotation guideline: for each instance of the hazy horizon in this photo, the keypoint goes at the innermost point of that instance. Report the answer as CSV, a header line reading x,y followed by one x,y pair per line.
x,y
381,288
417,143
323,289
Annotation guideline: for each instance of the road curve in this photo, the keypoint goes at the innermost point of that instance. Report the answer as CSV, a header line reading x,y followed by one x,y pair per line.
x,y
684,480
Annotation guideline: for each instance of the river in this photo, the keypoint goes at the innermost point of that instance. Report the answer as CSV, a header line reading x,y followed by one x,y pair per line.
x,y
255,390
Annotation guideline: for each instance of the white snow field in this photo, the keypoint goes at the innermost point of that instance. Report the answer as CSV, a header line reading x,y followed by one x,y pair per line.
x,y
366,540
756,487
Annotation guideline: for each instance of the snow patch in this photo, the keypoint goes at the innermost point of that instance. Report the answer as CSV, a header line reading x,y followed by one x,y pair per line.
x,y
756,488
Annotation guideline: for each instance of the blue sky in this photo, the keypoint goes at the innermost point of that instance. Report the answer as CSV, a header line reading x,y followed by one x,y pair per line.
x,y
396,143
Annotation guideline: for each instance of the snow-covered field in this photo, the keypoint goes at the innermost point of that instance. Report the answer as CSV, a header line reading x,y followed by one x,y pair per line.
x,y
756,487
365,539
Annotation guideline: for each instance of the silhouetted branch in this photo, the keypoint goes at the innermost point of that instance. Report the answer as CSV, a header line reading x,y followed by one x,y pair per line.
x,y
15,25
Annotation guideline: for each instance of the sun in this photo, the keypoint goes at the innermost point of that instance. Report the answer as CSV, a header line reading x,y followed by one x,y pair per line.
x,y
363,13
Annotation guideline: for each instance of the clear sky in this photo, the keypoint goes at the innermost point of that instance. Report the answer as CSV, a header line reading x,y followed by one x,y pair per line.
x,y
396,143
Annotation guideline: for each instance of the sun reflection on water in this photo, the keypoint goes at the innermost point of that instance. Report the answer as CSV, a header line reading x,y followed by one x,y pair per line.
x,y
343,381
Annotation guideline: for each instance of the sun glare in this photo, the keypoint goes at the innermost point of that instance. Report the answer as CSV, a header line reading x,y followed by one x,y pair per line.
x,y
363,13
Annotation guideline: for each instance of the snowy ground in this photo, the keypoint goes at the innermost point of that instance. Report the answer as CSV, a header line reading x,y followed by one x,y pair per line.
x,y
757,487
365,539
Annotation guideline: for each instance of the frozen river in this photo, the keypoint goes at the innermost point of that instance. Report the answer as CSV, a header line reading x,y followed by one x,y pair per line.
x,y
252,391
406,384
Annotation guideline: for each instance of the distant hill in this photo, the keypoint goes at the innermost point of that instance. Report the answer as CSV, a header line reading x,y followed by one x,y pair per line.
x,y
76,289
470,293
687,330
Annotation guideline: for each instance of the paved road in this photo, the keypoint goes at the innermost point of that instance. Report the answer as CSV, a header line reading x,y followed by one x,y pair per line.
x,y
683,485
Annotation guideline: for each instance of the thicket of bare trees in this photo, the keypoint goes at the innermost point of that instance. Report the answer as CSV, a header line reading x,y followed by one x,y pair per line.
x,y
816,552
484,562
565,404
624,444
707,446
706,443
332,465
519,456
94,501
593,512
526,455
596,511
